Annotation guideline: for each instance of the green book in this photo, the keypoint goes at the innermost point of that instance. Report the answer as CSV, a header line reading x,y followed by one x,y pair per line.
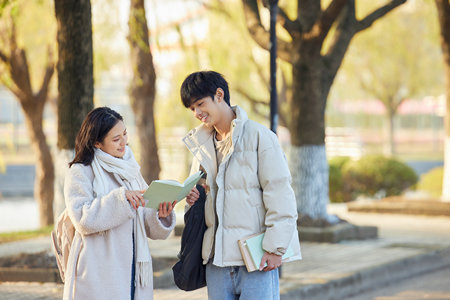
x,y
252,251
169,190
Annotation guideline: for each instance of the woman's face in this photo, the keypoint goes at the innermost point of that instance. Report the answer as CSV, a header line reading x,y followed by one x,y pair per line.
x,y
115,141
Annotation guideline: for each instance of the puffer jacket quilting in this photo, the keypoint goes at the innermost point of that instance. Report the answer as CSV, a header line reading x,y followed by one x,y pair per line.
x,y
253,191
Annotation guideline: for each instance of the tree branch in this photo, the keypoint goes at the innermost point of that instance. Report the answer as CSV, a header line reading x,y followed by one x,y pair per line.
x,y
254,103
328,17
377,14
12,88
261,74
20,73
250,98
341,40
308,12
294,28
43,91
282,99
259,34
3,57
18,66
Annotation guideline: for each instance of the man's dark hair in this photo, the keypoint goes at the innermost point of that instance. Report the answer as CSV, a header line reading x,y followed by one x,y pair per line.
x,y
202,84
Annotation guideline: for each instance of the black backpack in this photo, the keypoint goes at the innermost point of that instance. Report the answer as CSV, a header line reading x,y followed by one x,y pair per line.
x,y
189,272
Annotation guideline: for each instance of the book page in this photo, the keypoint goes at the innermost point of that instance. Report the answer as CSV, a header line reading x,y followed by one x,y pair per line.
x,y
189,183
254,245
169,190
170,182
159,192
246,256
194,177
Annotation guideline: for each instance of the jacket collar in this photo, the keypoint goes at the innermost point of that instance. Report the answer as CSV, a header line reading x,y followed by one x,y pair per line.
x,y
200,140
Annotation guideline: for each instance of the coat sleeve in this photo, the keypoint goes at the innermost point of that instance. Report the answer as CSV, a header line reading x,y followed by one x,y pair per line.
x,y
156,228
278,195
91,214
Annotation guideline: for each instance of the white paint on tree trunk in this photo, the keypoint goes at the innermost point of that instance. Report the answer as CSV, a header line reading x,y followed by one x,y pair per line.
x,y
62,159
309,169
446,178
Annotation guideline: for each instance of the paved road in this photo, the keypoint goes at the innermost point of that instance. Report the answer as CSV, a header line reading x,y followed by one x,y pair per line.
x,y
433,286
17,181
30,291
406,246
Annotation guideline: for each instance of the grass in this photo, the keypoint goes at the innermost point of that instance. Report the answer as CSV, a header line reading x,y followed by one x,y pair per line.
x,y
24,235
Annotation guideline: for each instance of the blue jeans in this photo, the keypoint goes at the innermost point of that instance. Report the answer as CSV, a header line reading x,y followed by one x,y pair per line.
x,y
232,283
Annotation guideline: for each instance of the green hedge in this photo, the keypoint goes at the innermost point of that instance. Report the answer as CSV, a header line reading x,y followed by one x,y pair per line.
x,y
336,183
431,182
368,176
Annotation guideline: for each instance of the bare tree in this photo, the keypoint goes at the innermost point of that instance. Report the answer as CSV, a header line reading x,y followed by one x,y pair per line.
x,y
18,82
143,90
75,81
313,71
443,7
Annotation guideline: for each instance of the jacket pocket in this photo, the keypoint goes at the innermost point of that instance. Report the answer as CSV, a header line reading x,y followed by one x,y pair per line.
x,y
260,213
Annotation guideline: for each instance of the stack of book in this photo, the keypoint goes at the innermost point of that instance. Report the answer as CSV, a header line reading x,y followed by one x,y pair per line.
x,y
252,251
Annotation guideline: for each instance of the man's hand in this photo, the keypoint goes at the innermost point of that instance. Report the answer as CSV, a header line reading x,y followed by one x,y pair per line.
x,y
193,196
273,261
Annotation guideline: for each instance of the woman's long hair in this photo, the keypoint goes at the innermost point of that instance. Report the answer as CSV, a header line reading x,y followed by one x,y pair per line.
x,y
95,127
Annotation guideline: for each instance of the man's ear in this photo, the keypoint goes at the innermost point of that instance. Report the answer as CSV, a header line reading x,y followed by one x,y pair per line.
x,y
219,94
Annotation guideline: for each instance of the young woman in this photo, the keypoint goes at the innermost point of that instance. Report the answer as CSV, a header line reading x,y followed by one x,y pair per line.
x,y
110,258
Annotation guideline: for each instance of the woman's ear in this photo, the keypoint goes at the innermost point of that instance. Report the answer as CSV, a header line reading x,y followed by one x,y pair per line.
x,y
97,145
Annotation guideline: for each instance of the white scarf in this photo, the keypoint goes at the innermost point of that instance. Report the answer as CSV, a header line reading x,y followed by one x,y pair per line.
x,y
127,172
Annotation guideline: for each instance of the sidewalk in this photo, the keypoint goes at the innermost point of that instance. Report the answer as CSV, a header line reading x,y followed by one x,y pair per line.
x,y
407,245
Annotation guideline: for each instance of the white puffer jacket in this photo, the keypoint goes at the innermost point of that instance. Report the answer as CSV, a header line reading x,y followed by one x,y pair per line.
x,y
253,191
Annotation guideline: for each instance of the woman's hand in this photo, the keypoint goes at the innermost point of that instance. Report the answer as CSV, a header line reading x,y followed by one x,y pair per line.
x,y
165,209
135,198
193,196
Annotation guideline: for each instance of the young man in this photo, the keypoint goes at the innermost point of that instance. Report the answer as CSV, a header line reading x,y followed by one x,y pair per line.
x,y
249,191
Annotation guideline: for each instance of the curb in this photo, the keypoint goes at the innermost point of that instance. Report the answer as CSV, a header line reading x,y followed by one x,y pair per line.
x,y
373,277
337,233
396,205
30,275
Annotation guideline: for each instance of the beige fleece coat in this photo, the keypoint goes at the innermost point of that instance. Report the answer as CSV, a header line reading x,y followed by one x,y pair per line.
x,y
100,259
253,195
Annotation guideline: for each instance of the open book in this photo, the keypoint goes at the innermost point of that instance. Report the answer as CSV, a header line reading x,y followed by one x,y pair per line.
x,y
169,190
252,251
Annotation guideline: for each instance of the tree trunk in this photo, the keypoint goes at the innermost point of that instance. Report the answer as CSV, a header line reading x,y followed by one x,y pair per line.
x,y
443,7
313,73
19,82
308,159
45,174
309,168
390,151
75,68
142,90
75,81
